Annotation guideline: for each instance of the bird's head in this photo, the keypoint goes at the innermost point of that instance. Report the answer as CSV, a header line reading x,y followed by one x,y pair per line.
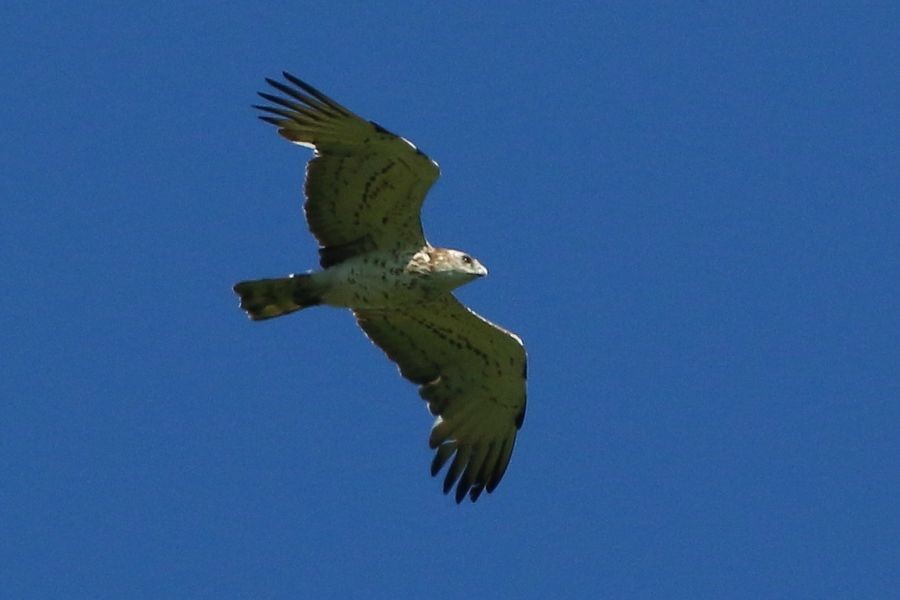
x,y
453,267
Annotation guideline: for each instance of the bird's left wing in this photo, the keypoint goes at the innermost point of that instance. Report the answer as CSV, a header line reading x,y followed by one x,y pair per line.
x,y
365,186
471,373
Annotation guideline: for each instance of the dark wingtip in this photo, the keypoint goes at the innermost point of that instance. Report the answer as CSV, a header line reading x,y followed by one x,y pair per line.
x,y
436,465
272,120
476,492
495,480
322,98
269,97
298,82
455,470
462,489
441,456
301,84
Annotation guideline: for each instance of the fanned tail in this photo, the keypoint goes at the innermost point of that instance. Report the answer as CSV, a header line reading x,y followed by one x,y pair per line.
x,y
268,298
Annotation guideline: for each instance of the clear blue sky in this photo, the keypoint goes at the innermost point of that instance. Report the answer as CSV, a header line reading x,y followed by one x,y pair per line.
x,y
690,214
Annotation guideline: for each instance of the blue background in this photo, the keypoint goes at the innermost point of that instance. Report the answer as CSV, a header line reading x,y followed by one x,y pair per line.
x,y
690,214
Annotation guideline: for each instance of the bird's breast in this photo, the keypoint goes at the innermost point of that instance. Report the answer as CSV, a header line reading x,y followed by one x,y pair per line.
x,y
376,280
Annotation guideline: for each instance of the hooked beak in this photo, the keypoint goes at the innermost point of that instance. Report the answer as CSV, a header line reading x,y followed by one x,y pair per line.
x,y
481,271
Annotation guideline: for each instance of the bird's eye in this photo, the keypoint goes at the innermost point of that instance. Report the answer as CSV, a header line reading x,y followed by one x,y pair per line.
x,y
467,259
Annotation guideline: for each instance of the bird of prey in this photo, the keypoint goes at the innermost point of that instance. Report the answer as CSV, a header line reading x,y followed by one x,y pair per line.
x,y
364,192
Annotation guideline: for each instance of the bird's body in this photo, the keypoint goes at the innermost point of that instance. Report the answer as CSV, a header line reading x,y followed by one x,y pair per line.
x,y
376,280
364,189
395,283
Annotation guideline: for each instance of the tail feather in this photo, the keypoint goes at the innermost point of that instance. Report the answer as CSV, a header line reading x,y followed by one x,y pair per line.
x,y
268,298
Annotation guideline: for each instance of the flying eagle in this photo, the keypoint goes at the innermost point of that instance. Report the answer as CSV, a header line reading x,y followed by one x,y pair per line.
x,y
364,192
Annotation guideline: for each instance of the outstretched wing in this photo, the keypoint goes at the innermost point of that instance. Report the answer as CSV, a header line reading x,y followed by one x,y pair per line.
x,y
472,374
365,186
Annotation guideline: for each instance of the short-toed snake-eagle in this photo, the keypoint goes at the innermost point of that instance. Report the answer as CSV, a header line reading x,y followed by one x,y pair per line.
x,y
364,192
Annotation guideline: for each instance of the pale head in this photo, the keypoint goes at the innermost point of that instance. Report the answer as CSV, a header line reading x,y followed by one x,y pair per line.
x,y
452,268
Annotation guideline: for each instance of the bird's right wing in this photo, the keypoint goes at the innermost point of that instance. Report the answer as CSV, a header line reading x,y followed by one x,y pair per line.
x,y
365,186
